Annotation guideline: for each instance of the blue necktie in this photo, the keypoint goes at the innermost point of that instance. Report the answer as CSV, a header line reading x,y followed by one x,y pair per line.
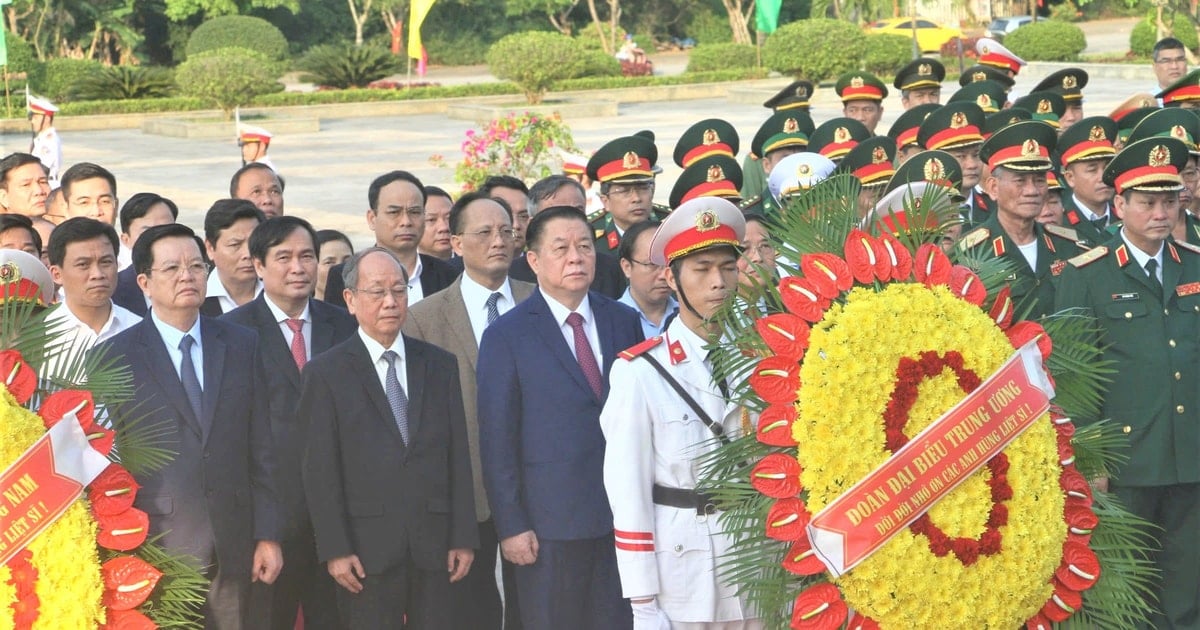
x,y
187,375
493,311
396,396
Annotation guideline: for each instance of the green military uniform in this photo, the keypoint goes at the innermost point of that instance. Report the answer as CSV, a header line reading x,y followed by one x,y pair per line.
x,y
935,167
1183,92
988,95
710,176
1151,333
787,129
627,160
1089,140
998,120
904,130
1047,107
920,74
836,136
1173,122
980,72
794,97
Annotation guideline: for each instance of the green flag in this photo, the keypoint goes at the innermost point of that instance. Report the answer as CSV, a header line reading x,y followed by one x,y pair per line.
x,y
767,16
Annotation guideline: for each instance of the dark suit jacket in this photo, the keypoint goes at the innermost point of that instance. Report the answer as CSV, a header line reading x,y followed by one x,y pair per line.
x,y
330,326
436,274
217,496
442,320
609,280
368,493
539,422
128,294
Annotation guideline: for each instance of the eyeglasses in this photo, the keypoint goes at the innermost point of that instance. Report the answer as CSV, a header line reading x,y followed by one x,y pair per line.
x,y
174,269
506,234
1189,174
1167,61
764,250
397,293
648,265
625,190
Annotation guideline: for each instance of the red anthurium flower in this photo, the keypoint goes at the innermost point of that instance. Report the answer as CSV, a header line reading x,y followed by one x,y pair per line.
x,y
1081,520
128,620
1062,604
1065,428
1079,491
1080,567
931,266
801,559
898,256
859,621
819,607
776,380
787,520
828,273
801,298
785,334
1022,333
775,425
113,491
1002,308
966,285
1066,454
100,438
128,581
124,531
1039,622
866,257
777,476
17,375
62,403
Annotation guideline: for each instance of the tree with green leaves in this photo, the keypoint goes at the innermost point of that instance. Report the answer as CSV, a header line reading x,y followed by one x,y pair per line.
x,y
180,10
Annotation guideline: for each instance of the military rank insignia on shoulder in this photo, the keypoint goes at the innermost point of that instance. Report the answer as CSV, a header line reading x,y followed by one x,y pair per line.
x,y
973,238
1195,249
1064,232
1089,257
633,352
746,203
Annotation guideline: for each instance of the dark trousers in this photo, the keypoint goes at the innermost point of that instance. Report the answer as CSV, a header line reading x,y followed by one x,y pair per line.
x,y
401,597
305,582
475,599
512,602
1176,510
574,584
226,604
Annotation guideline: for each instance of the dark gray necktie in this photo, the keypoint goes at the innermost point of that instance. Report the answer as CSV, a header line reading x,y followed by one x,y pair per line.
x,y
493,311
1152,272
397,399
187,375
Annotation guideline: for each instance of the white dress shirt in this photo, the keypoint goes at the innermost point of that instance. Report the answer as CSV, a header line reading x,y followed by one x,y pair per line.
x,y
1142,257
415,292
79,337
1087,212
282,318
217,289
172,336
475,296
560,314
375,350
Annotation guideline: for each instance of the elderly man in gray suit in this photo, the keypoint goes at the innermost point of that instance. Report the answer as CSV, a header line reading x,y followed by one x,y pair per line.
x,y
454,319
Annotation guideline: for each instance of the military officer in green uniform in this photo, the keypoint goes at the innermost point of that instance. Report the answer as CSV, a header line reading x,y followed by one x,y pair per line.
x,y
1174,122
1084,151
1003,118
1019,156
1046,107
625,169
988,95
1184,93
1143,288
715,175
785,133
980,72
862,95
920,82
931,167
957,128
872,164
835,137
794,97
1067,83
904,130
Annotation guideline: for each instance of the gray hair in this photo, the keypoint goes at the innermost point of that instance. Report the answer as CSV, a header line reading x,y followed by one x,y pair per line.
x,y
547,186
350,270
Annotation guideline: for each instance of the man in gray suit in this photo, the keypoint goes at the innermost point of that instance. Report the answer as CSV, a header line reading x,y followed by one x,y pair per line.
x,y
454,319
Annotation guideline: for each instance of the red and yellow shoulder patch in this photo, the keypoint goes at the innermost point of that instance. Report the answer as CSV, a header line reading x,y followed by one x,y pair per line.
x,y
633,352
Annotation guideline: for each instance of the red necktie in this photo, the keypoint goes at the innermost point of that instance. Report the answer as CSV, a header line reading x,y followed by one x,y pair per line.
x,y
583,354
298,353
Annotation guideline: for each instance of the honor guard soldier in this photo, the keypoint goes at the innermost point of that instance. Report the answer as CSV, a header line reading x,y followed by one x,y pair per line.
x,y
1067,83
785,133
957,128
920,82
836,136
1143,288
980,72
254,143
625,169
1084,150
1046,107
872,164
1183,126
862,95
1019,156
794,97
904,130
666,409
993,53
797,173
46,145
710,176
1183,93
988,95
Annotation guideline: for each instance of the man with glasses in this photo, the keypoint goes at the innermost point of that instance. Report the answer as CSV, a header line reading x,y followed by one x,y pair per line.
x,y
454,319
625,169
648,292
1170,62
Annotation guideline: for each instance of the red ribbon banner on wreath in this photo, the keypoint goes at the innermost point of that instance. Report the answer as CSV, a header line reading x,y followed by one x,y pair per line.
x,y
932,463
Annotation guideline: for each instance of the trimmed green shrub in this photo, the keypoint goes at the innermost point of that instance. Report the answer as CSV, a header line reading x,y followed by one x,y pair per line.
x,y
709,57
62,75
238,31
886,53
590,39
1047,40
228,77
22,58
708,28
815,49
456,49
1144,34
598,64
124,82
346,65
535,60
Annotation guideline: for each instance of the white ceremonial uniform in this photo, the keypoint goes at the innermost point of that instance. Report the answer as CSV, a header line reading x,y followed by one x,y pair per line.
x,y
654,437
47,148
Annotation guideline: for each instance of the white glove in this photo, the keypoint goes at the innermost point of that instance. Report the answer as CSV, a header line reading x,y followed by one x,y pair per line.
x,y
648,616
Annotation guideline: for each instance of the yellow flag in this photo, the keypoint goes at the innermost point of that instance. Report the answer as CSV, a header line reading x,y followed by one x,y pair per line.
x,y
417,12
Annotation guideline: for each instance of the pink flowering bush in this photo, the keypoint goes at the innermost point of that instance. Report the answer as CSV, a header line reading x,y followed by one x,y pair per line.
x,y
524,146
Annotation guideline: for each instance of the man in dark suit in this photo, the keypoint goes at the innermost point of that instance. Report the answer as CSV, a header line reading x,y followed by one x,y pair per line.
x,y
454,319
233,282
292,328
542,382
201,382
397,217
387,468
